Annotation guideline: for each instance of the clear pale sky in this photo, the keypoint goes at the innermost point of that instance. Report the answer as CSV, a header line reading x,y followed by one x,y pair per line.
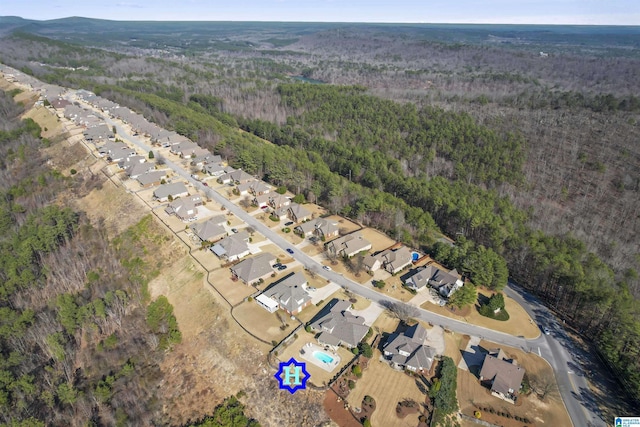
x,y
596,12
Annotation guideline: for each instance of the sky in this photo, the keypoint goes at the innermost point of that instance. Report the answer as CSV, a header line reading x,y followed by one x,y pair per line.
x,y
578,12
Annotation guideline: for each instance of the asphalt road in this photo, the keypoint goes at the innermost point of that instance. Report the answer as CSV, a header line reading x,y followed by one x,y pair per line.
x,y
556,347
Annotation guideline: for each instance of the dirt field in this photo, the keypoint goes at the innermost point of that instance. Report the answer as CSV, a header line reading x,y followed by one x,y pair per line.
x,y
550,412
387,387
519,323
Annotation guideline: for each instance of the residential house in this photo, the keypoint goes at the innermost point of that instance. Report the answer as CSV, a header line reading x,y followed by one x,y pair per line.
x,y
446,283
120,154
59,104
135,169
407,350
278,201
372,262
173,190
151,179
322,228
338,326
262,200
235,177
98,133
290,294
131,160
282,213
349,245
184,148
252,270
395,260
257,188
297,213
211,230
504,377
185,208
214,169
232,247
111,146
205,158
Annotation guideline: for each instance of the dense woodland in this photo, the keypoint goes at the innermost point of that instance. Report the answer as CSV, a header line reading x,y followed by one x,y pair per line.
x,y
529,163
80,340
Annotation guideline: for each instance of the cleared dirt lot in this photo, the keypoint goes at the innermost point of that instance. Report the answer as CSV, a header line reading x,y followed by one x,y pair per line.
x,y
379,241
387,387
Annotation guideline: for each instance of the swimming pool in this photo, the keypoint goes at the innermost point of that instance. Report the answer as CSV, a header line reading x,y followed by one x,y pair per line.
x,y
322,356
415,256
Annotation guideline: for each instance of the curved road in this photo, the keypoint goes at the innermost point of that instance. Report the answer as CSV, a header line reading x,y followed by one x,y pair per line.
x,y
555,347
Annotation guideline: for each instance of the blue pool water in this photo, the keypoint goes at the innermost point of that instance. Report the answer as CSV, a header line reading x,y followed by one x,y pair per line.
x,y
323,357
415,256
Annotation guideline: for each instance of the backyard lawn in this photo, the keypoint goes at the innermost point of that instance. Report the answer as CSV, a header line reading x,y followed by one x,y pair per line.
x,y
263,324
388,387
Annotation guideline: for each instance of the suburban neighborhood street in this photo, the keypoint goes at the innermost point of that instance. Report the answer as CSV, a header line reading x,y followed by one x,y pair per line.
x,y
556,347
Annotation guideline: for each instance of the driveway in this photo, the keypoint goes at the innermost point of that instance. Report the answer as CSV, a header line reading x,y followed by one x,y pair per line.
x,y
370,313
324,292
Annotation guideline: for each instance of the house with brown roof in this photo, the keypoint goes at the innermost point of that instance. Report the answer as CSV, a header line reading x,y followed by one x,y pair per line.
x,y
349,245
407,350
503,376
338,326
251,270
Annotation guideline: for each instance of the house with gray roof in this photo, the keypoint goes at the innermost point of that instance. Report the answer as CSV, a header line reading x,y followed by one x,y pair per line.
x,y
211,230
349,245
175,190
205,157
278,201
236,176
98,133
120,154
184,148
232,247
282,213
289,293
407,350
110,146
338,326
185,208
395,260
214,169
135,169
503,377
262,200
320,227
252,270
151,179
446,282
256,188
298,213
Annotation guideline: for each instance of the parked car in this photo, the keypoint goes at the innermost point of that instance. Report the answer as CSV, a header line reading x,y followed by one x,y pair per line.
x,y
311,289
546,330
234,230
277,265
205,184
282,267
326,267
290,251
286,224
264,207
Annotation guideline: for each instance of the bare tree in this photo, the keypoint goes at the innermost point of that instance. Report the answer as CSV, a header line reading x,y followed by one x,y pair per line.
x,y
544,385
401,310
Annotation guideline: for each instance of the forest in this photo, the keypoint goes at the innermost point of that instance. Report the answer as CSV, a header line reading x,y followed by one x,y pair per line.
x,y
529,163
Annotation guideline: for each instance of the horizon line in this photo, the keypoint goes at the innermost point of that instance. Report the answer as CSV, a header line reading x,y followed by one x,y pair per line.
x,y
325,22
